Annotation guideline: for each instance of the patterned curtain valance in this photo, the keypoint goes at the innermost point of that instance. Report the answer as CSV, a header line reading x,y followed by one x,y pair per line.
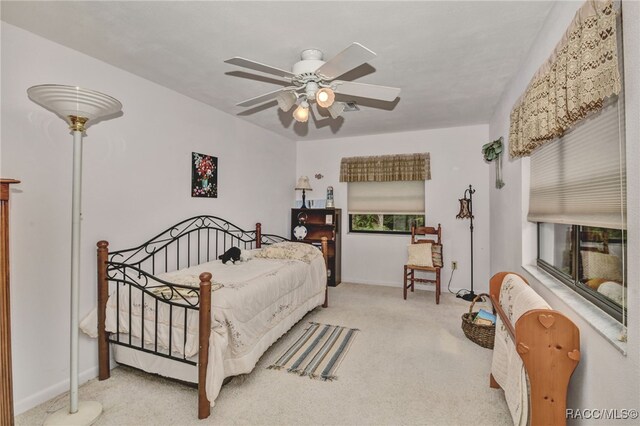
x,y
580,74
386,168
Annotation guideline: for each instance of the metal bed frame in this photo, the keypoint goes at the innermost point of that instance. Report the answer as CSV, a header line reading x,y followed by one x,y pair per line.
x,y
191,242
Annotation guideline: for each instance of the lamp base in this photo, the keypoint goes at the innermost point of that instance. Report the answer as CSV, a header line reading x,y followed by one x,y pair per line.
x,y
88,412
469,296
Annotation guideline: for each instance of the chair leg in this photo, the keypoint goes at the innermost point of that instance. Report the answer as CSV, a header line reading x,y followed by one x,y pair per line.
x,y
438,287
413,282
404,286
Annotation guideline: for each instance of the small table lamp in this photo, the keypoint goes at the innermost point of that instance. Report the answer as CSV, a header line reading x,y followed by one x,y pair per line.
x,y
303,184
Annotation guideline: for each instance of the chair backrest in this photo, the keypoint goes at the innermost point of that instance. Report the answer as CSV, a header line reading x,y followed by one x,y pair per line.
x,y
426,234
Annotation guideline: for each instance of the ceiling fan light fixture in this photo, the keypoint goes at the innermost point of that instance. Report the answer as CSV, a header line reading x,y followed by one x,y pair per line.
x,y
325,97
286,100
336,109
301,114
312,79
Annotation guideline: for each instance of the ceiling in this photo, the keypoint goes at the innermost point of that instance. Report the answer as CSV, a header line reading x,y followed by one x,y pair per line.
x,y
452,60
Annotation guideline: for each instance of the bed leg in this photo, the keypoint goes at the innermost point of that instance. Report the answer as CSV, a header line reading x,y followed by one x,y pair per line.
x,y
204,407
103,295
325,254
258,235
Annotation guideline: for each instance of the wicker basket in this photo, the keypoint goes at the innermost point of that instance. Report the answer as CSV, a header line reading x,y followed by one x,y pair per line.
x,y
483,335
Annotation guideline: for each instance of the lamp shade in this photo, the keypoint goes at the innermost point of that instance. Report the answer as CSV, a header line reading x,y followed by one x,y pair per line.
x,y
325,97
73,101
301,114
336,109
303,183
286,100
465,209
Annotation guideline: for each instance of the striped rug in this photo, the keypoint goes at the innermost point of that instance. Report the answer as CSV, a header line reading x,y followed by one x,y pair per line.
x,y
318,352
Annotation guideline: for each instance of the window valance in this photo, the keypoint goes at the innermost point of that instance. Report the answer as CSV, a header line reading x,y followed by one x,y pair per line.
x,y
580,74
386,168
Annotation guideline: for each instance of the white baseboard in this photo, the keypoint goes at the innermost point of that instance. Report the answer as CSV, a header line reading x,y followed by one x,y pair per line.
x,y
428,287
370,282
59,388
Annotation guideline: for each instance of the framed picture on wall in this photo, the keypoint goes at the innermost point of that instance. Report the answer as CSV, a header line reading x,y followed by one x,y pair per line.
x,y
204,175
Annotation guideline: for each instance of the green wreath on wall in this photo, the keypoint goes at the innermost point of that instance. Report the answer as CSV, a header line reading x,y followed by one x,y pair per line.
x,y
492,151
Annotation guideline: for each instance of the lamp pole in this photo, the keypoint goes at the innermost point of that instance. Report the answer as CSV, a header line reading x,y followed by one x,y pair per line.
x,y
466,211
77,126
77,106
471,295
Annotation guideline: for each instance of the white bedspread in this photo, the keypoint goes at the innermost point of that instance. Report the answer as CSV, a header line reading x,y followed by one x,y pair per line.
x,y
253,308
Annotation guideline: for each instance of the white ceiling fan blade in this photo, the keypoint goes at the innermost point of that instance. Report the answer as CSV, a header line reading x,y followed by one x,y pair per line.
x,y
371,91
351,57
257,66
263,98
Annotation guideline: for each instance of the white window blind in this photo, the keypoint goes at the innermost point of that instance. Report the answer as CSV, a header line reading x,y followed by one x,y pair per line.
x,y
580,178
400,197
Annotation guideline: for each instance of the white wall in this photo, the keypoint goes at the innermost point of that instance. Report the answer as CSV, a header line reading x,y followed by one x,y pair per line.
x,y
456,162
605,378
136,183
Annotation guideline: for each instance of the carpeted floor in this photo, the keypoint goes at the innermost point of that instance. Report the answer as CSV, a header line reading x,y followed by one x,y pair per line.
x,y
410,364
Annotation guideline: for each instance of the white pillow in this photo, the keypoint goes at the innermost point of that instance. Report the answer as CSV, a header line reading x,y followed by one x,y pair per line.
x,y
420,255
290,250
612,291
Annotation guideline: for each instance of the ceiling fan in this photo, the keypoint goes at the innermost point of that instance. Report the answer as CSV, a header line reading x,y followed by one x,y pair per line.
x,y
313,80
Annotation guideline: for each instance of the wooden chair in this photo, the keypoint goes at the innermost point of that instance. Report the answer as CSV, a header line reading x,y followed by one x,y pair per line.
x,y
420,235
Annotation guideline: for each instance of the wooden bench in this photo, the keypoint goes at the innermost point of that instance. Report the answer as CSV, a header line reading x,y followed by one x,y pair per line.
x,y
549,344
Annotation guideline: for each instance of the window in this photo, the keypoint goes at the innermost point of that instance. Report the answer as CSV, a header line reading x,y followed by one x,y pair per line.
x,y
385,207
578,198
384,223
590,260
570,120
385,193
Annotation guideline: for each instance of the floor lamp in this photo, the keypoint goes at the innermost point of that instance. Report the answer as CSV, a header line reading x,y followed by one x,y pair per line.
x,y
77,107
466,212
